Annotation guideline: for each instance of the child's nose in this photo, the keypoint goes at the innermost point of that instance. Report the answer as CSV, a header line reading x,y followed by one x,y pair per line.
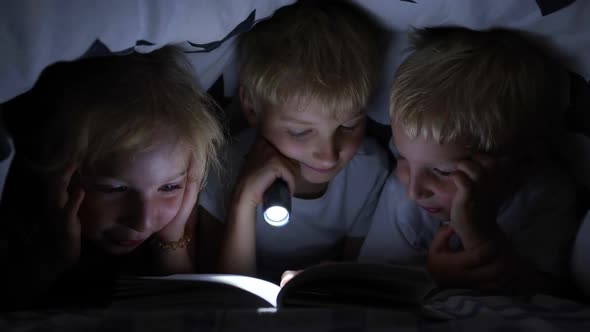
x,y
140,215
326,154
417,188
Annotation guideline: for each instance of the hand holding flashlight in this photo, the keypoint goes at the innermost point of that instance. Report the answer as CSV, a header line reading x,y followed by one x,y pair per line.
x,y
267,178
276,203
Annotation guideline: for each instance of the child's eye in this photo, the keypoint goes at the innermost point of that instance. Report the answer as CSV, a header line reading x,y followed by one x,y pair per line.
x,y
169,187
106,189
349,128
441,172
298,134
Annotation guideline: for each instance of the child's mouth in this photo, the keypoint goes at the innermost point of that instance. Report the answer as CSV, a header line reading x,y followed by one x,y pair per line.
x,y
431,209
321,170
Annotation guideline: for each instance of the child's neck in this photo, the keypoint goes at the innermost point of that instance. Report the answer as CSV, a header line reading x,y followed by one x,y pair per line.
x,y
307,190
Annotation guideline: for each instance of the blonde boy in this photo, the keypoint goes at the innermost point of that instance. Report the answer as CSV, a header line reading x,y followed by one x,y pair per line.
x,y
473,114
124,157
306,76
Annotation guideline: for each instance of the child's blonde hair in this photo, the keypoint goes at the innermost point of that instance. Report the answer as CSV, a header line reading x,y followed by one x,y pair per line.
x,y
491,88
322,51
123,105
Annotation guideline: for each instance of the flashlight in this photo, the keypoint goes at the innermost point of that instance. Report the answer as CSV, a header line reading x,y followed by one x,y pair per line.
x,y
276,203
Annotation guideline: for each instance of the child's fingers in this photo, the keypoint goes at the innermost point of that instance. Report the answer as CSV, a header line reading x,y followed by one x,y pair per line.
x,y
486,161
189,200
463,260
288,275
440,242
486,274
473,169
177,227
284,168
59,187
191,192
289,176
253,183
72,207
483,254
265,164
464,188
71,228
469,259
262,150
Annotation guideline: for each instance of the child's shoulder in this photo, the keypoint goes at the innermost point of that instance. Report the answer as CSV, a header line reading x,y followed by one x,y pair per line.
x,y
547,190
551,179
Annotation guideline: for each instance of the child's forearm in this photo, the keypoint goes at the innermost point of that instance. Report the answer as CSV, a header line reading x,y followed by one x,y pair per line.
x,y
471,239
238,253
527,278
477,235
519,274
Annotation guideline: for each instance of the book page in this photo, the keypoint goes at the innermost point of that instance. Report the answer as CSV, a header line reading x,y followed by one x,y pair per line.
x,y
192,290
357,284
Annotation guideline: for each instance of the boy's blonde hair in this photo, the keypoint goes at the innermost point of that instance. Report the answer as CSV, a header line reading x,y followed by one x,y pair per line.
x,y
491,88
322,51
123,104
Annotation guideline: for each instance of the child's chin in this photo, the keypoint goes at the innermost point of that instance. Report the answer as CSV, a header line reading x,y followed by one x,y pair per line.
x,y
318,178
441,216
117,250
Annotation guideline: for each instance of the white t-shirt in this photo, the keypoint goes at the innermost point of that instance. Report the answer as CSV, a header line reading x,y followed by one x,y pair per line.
x,y
316,226
539,220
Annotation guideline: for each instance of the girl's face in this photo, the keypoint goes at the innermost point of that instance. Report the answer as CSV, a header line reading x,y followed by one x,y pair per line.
x,y
131,197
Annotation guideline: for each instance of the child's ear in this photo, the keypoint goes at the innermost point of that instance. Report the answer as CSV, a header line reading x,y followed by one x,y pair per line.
x,y
249,112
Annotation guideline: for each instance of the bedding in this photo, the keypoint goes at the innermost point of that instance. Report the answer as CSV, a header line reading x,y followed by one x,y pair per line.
x,y
453,310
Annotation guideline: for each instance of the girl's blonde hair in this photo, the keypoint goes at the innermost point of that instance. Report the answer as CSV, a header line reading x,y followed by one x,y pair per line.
x,y
491,88
123,104
322,51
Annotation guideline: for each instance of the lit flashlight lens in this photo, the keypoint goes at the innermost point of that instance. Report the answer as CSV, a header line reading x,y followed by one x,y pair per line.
x,y
277,203
276,216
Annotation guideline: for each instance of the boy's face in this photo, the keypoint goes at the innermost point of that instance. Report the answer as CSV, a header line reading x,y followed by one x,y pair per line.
x,y
320,143
423,167
133,196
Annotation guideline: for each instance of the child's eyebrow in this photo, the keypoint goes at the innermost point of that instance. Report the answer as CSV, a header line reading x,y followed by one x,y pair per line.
x,y
356,118
289,119
181,174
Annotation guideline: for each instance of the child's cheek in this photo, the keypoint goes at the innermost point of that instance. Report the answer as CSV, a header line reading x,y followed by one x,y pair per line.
x,y
402,173
95,216
350,146
168,209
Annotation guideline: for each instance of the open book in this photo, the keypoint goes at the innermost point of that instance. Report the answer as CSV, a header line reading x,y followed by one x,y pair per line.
x,y
326,285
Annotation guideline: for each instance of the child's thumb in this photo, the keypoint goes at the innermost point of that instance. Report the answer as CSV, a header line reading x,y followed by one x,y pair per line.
x,y
73,205
440,243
